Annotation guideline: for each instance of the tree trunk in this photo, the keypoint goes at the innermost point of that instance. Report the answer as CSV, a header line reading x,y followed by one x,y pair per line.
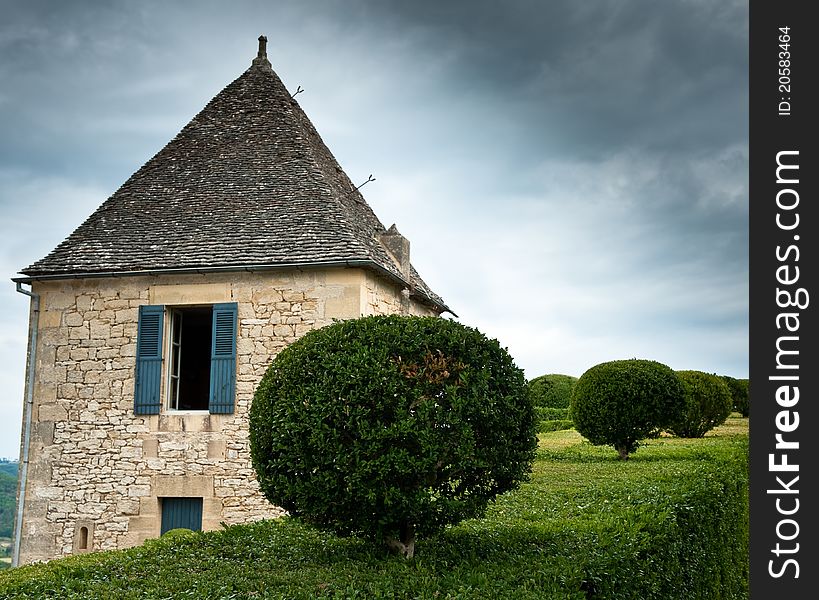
x,y
406,545
623,452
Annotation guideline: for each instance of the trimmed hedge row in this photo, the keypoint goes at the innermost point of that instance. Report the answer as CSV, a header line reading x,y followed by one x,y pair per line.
x,y
546,413
552,419
670,523
550,425
692,544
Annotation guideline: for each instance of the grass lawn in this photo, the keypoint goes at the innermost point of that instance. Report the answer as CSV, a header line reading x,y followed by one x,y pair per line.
x,y
669,523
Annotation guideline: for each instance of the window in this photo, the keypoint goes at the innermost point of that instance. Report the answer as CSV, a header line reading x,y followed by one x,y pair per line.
x,y
83,536
201,367
190,358
181,513
82,543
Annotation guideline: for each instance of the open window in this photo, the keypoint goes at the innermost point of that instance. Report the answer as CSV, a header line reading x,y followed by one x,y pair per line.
x,y
200,372
191,339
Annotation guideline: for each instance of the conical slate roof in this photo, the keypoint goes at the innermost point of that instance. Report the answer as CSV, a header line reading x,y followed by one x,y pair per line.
x,y
248,183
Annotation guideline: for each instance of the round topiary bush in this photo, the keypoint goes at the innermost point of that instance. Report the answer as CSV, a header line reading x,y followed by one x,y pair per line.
x,y
552,391
740,394
389,426
707,404
621,402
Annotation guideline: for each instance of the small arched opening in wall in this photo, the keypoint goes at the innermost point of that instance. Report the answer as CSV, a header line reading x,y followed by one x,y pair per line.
x,y
83,536
83,542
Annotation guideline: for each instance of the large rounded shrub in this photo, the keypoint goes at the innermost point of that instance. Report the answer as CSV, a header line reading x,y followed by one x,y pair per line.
x,y
740,393
552,390
707,404
389,426
621,402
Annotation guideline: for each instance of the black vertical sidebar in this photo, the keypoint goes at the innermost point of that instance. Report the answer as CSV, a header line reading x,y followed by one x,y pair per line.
x,y
784,299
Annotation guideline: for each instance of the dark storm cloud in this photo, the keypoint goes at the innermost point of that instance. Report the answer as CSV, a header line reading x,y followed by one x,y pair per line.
x,y
598,75
665,83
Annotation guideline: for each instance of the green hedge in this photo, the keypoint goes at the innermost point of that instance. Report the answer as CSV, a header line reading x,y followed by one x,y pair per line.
x,y
548,426
707,404
545,413
670,523
552,390
552,419
740,393
389,427
693,544
622,402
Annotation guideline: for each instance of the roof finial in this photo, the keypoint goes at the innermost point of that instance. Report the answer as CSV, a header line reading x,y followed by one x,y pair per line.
x,y
261,57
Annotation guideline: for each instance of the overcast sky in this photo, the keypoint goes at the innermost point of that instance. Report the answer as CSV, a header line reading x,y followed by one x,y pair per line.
x,y
572,176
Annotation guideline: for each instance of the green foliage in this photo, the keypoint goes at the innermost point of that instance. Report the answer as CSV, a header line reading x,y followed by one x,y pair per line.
x,y
8,497
549,425
552,419
552,390
621,402
707,404
179,532
670,523
9,467
385,426
544,413
740,394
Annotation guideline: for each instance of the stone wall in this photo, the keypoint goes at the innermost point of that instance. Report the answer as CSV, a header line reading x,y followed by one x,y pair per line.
x,y
384,298
96,465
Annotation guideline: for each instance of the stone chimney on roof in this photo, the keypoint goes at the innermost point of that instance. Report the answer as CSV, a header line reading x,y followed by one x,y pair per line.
x,y
399,248
261,56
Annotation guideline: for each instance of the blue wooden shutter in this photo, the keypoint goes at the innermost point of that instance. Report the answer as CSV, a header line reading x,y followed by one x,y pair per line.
x,y
148,376
181,513
223,359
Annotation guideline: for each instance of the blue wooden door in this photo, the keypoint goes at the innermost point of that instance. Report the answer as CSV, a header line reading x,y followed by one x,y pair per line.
x,y
181,513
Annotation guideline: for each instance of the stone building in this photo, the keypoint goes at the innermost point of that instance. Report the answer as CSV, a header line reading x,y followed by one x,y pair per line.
x,y
152,323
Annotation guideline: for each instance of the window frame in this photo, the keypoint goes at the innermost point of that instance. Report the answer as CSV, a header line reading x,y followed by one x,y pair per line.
x,y
173,351
152,382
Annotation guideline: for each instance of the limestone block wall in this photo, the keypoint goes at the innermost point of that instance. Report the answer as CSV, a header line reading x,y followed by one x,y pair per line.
x,y
383,297
97,471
